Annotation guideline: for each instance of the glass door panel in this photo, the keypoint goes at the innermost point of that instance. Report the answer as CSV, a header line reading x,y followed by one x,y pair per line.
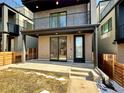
x,y
62,48
54,48
58,19
79,49
54,20
58,48
62,19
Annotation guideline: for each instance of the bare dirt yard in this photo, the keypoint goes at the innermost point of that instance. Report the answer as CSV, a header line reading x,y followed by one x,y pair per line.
x,y
25,81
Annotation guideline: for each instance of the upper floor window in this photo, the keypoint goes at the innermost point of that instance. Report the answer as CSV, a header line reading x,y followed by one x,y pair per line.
x,y
58,20
106,27
27,25
110,24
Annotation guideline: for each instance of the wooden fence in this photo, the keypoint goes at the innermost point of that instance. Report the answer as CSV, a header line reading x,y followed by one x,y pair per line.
x,y
119,73
31,53
109,65
15,57
6,58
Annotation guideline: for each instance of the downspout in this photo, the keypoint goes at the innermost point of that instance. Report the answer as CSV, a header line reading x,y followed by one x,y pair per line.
x,y
96,48
23,48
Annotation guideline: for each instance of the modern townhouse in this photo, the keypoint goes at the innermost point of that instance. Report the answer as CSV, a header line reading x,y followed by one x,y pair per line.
x,y
64,29
111,30
12,21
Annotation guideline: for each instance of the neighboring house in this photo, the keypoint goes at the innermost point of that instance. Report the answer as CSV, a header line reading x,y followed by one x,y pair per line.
x,y
111,29
12,21
64,29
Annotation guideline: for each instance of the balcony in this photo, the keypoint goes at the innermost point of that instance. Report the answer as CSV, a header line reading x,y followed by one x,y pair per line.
x,y
73,23
108,7
120,34
13,29
68,20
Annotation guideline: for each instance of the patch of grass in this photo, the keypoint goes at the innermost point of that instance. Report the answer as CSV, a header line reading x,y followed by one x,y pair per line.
x,y
17,81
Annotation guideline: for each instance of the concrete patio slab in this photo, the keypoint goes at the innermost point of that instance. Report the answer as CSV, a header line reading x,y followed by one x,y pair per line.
x,y
41,67
63,67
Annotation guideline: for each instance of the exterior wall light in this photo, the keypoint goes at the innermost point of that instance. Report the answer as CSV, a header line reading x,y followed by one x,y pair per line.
x,y
57,2
37,6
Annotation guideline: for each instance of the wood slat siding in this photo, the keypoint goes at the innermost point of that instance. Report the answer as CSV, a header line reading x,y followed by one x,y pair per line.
x,y
32,53
1,59
15,57
106,63
18,57
109,65
119,73
6,58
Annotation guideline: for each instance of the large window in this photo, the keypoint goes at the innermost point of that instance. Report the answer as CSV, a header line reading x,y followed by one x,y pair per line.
x,y
110,24
58,19
27,25
106,27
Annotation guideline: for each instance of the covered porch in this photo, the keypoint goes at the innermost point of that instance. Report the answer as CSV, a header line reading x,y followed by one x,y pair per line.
x,y
80,35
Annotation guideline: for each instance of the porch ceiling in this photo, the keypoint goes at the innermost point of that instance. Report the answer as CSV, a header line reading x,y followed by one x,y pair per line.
x,y
41,5
59,31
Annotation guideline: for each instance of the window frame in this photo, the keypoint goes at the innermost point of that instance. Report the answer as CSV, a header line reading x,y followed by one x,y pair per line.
x,y
106,27
110,24
58,20
26,25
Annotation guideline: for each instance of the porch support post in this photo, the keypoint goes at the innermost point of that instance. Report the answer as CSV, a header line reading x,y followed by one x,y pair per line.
x,y
23,48
4,28
4,42
96,48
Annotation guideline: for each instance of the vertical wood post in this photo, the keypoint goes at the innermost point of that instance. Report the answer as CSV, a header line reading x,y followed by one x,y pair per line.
x,y
23,48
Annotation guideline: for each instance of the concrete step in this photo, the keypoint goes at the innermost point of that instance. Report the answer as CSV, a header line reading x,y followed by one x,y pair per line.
x,y
81,70
78,77
83,74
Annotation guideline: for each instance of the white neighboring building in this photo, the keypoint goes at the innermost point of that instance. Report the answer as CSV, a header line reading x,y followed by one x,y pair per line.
x,y
12,22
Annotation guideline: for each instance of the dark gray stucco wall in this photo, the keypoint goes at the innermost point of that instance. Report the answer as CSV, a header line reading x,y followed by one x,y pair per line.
x,y
106,42
121,15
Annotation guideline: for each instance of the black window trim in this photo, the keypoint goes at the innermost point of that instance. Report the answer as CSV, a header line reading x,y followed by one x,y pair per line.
x,y
109,27
57,13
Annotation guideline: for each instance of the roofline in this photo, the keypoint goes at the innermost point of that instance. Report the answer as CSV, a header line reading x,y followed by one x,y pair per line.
x,y
15,10
101,2
118,2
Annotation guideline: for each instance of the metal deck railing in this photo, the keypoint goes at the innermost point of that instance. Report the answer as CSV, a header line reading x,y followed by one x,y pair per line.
x,y
72,19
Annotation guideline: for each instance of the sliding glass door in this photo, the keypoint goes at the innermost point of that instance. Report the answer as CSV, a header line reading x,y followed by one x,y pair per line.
x,y
54,48
58,20
62,48
58,48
